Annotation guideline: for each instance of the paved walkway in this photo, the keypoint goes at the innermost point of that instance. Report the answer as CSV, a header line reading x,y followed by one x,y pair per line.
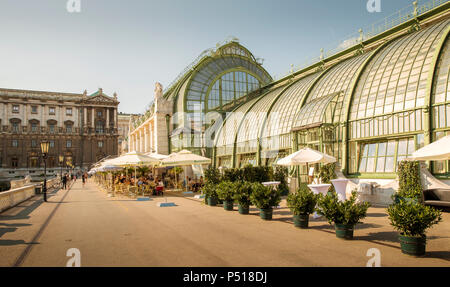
x,y
123,232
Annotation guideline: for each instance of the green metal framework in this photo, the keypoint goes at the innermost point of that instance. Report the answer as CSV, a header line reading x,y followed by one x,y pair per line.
x,y
370,107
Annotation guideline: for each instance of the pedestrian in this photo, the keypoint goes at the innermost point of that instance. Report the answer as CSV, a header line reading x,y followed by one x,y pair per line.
x,y
83,177
64,181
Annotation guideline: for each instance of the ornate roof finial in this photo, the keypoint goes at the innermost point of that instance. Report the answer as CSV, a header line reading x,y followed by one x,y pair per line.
x,y
115,96
321,54
100,91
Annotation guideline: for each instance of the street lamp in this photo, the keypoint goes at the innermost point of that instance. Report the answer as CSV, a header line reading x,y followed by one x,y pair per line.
x,y
61,161
44,151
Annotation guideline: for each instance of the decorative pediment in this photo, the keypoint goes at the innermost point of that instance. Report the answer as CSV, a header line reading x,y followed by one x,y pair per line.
x,y
100,99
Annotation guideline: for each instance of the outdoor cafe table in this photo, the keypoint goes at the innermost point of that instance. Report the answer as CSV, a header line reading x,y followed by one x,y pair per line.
x,y
316,189
340,185
271,183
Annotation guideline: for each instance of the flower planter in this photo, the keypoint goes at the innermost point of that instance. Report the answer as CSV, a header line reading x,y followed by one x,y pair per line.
x,y
344,231
228,205
243,210
212,201
413,245
266,214
301,220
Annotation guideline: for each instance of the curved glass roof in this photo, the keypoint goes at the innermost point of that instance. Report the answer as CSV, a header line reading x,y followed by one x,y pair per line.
x,y
227,133
336,80
254,119
286,107
207,72
441,85
396,78
314,111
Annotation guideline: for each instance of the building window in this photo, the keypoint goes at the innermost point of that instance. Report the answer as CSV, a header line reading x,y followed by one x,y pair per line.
x,y
14,162
69,143
99,114
34,127
51,128
33,143
15,108
68,111
51,110
33,162
99,127
15,127
52,144
34,109
100,144
383,157
15,143
68,128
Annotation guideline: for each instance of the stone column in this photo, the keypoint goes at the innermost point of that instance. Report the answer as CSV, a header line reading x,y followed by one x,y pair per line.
x,y
85,117
152,142
61,119
107,118
145,138
93,117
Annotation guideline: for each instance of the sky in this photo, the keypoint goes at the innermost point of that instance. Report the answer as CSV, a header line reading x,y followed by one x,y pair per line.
x,y
128,46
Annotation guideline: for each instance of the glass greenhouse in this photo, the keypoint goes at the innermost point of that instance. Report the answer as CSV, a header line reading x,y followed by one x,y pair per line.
x,y
370,106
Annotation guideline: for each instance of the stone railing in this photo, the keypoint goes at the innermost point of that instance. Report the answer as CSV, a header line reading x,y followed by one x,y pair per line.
x,y
17,195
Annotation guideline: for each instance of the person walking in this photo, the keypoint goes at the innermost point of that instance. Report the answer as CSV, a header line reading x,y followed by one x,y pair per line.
x,y
64,181
83,177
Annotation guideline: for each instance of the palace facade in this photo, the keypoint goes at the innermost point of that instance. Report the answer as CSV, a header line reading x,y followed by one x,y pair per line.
x,y
80,127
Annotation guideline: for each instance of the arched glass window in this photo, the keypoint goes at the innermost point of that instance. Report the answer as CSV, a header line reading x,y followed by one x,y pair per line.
x,y
229,87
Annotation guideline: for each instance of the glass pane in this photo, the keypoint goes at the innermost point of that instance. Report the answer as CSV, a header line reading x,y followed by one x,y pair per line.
x,y
380,164
389,166
420,141
391,148
372,149
403,147
382,149
411,146
370,164
362,166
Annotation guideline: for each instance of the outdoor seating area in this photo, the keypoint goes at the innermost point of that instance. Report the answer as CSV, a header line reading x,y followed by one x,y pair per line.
x,y
136,174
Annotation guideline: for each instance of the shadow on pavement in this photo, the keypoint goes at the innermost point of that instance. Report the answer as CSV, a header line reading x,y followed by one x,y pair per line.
x,y
438,254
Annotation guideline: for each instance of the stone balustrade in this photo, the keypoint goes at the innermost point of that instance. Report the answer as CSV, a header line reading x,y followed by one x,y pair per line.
x,y
17,195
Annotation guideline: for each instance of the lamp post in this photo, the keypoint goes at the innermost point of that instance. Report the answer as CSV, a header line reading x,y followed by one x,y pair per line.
x,y
44,151
61,161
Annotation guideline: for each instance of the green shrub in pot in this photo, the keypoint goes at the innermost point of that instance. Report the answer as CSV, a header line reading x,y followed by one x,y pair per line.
x,y
344,214
302,203
409,184
210,192
412,219
265,198
226,191
242,196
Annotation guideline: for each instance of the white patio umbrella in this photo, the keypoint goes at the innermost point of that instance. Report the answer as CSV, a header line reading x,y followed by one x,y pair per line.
x,y
438,150
306,156
157,155
133,159
184,158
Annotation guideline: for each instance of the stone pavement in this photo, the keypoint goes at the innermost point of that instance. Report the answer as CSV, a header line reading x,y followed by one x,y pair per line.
x,y
119,231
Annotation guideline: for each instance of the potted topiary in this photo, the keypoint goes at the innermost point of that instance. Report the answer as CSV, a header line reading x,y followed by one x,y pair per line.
x,y
265,198
344,214
242,196
210,192
225,191
302,203
409,184
412,219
